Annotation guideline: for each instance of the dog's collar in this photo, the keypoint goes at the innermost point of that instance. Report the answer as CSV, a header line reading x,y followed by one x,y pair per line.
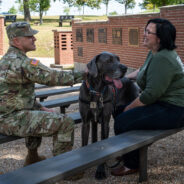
x,y
92,91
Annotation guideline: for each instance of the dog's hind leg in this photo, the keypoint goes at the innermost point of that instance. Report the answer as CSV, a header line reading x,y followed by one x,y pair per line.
x,y
85,133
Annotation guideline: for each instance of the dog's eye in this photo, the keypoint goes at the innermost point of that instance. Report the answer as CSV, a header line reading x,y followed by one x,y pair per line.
x,y
117,58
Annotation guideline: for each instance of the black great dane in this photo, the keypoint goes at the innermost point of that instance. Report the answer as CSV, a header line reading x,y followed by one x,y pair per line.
x,y
98,97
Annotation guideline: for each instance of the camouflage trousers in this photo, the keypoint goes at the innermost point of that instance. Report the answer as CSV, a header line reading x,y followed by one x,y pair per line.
x,y
34,124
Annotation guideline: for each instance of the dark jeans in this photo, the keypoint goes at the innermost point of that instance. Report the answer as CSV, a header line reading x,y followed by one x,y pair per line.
x,y
159,115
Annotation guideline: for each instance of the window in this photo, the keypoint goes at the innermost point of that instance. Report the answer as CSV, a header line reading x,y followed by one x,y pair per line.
x,y
90,35
79,36
102,35
133,37
80,51
117,36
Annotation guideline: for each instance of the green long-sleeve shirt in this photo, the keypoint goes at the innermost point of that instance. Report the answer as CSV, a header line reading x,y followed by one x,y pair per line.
x,y
161,78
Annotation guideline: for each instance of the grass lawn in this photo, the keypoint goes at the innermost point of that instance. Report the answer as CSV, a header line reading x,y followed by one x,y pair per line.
x,y
45,37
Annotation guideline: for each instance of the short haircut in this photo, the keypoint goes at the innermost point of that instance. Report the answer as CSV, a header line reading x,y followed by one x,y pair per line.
x,y
166,32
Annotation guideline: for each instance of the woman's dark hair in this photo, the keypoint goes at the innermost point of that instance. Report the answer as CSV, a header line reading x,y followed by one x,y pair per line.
x,y
166,32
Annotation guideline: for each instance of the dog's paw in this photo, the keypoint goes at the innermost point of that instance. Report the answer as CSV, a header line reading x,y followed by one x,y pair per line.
x,y
100,172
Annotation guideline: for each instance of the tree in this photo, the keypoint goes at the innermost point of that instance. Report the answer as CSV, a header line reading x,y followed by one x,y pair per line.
x,y
27,14
158,3
39,6
24,5
129,4
106,2
148,4
12,10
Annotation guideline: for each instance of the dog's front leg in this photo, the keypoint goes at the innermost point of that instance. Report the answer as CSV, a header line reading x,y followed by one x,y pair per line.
x,y
94,132
101,169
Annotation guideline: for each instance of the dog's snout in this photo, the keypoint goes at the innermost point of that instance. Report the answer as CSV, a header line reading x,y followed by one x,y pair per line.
x,y
123,68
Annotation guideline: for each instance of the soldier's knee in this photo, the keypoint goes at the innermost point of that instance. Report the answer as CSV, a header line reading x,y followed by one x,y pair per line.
x,y
67,124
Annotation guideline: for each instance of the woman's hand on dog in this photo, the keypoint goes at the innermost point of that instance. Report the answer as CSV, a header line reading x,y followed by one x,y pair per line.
x,y
135,103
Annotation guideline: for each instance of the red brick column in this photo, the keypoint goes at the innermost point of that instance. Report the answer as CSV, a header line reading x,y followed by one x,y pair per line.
x,y
63,47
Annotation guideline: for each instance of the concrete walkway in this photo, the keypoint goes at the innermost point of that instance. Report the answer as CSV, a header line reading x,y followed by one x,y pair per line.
x,y
45,61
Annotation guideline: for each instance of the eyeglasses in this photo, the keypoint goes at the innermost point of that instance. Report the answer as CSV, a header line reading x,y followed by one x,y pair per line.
x,y
146,31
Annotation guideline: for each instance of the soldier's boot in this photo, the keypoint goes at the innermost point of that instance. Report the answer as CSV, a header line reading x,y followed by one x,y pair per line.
x,y
33,157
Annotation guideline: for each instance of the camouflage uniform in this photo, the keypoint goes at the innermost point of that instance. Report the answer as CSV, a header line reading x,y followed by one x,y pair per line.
x,y
20,113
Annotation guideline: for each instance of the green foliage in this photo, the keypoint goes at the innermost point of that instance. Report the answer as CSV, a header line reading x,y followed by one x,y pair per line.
x,y
179,1
39,5
152,4
66,10
12,10
113,13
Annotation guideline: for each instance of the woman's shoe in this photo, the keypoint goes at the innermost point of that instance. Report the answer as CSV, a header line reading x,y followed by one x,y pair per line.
x,y
121,171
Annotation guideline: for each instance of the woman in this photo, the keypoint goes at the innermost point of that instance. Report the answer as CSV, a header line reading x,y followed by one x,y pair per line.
x,y
161,79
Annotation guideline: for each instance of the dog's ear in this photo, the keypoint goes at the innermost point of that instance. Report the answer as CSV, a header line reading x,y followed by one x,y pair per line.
x,y
92,67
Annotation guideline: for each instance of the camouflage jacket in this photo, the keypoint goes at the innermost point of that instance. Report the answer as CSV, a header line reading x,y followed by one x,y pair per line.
x,y
18,75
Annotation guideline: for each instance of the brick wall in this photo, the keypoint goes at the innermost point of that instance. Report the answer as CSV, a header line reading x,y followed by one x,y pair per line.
x,y
176,15
131,55
1,35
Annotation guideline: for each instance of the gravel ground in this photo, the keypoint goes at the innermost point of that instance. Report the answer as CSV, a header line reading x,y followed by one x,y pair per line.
x,y
165,159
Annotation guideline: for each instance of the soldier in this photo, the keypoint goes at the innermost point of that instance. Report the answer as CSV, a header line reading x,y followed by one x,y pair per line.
x,y
20,114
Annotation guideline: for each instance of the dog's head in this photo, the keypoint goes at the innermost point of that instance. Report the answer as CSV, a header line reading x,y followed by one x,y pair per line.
x,y
108,66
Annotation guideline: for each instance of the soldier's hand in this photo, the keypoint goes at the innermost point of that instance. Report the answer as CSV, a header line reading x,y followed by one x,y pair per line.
x,y
46,109
79,77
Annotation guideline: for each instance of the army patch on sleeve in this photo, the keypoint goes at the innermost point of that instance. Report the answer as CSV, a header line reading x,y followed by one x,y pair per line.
x,y
34,62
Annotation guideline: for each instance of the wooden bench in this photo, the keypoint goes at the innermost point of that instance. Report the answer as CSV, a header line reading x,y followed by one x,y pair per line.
x,y
67,164
9,18
65,17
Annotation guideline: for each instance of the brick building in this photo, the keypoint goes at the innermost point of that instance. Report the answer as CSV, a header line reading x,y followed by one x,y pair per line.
x,y
122,35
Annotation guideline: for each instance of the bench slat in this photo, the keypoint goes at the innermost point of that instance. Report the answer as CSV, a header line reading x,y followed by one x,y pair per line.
x,y
60,102
41,94
41,86
56,168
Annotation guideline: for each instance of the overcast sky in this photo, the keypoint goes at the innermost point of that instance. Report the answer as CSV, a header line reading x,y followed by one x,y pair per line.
x,y
58,7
